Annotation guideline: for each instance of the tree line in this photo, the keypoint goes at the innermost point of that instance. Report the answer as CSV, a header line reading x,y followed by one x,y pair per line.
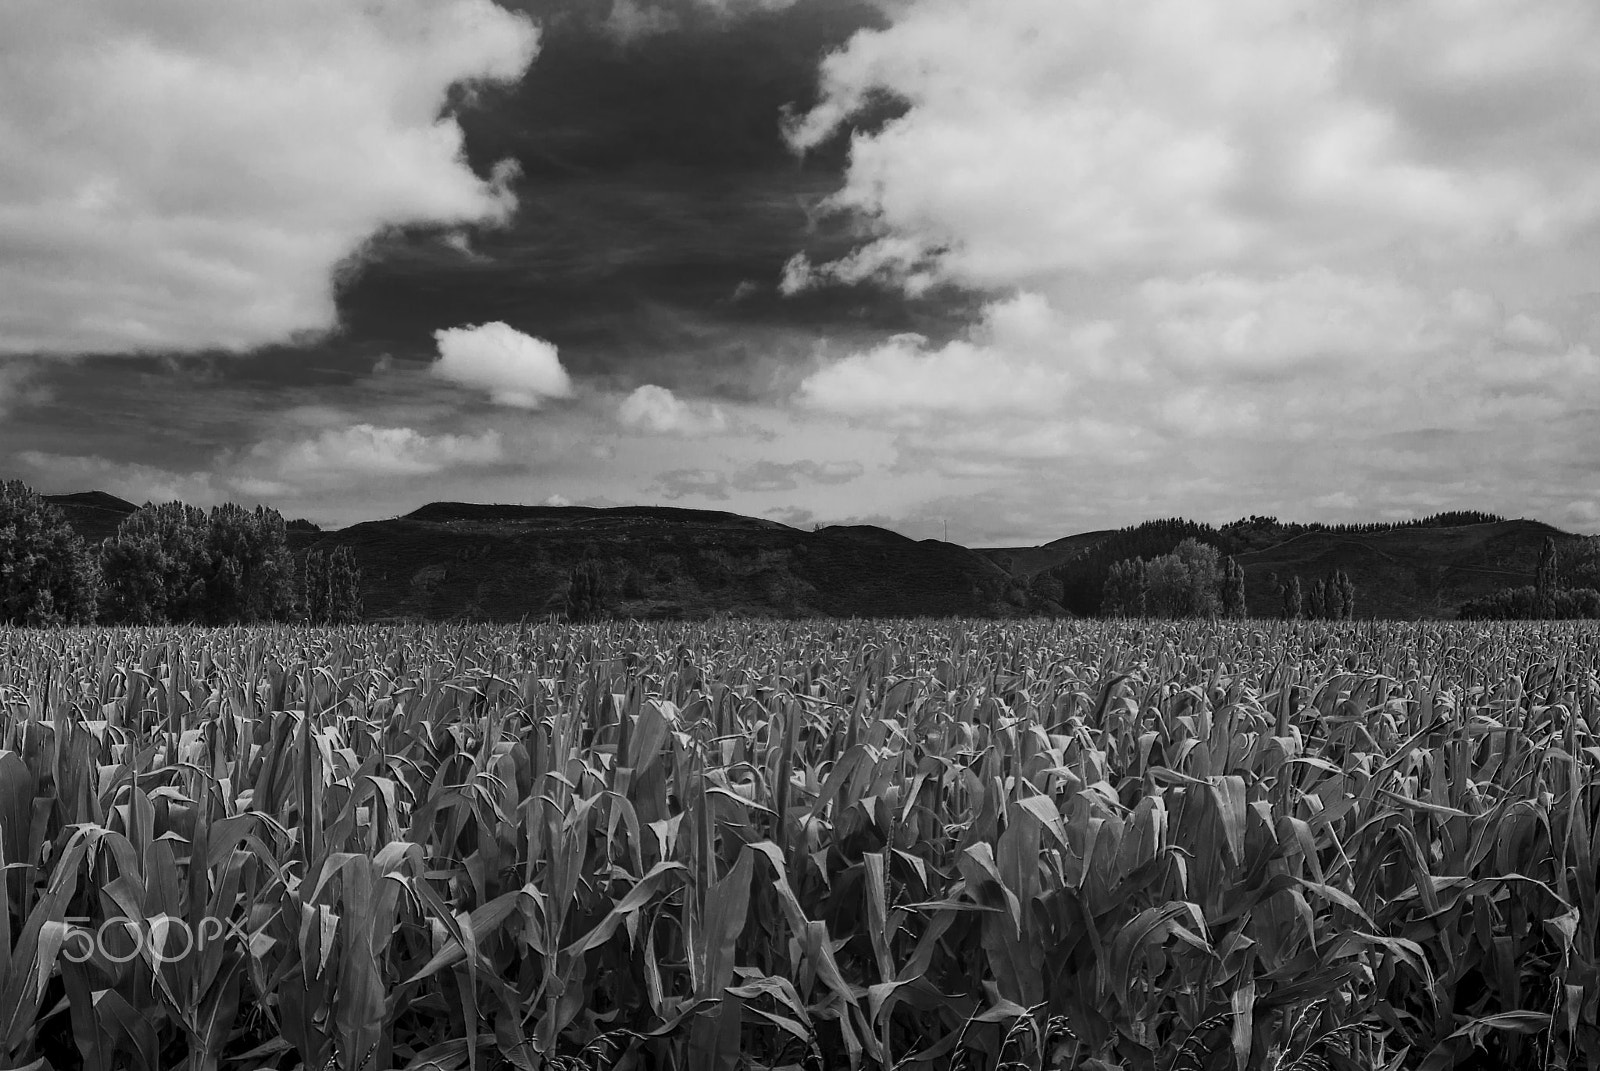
x,y
1082,584
166,564
1566,586
1197,580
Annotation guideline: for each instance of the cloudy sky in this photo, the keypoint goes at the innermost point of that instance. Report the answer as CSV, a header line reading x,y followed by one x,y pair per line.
x,y
1029,266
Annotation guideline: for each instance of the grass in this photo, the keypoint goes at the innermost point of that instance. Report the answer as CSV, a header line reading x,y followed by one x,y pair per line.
x,y
873,844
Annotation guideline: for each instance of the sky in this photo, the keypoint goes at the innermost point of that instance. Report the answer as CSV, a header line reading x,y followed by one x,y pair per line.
x,y
1024,268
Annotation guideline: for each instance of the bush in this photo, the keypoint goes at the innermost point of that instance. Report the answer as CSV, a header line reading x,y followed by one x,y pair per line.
x,y
47,574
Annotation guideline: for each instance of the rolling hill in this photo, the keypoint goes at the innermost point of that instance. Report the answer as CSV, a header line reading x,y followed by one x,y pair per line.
x,y
94,515
1027,562
1406,572
502,563
493,562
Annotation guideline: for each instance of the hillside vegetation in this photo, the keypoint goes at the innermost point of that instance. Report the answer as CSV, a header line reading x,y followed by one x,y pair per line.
x,y
504,563
1422,569
451,560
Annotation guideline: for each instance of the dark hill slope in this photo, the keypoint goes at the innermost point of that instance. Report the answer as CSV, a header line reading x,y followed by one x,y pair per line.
x,y
506,562
1026,562
1405,572
94,515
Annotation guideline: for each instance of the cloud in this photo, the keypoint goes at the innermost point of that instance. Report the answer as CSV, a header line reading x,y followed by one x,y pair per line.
x,y
516,370
657,411
1016,359
633,20
185,175
59,473
786,476
20,386
364,451
1222,251
699,483
329,462
1044,139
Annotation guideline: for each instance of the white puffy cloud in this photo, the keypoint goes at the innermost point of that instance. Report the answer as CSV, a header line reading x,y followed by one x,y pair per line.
x,y
515,369
188,174
1045,138
657,411
1018,359
1229,252
366,451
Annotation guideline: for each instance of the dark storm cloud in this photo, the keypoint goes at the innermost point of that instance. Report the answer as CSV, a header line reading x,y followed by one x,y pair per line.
x,y
656,206
657,200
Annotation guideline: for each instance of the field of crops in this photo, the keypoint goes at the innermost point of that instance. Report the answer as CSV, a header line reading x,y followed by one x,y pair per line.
x,y
815,845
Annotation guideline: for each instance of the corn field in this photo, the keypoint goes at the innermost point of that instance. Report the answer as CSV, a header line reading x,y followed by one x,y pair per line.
x,y
753,845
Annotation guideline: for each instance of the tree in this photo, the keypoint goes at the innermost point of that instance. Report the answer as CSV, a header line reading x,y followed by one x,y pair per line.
x,y
344,588
1347,596
314,606
585,592
1546,582
172,564
1233,601
249,572
1292,598
47,576
1579,563
1124,593
1185,583
153,567
330,588
1317,600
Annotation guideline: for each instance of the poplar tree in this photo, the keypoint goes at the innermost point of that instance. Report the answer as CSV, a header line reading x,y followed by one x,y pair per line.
x,y
1545,581
1292,599
1347,596
344,588
585,593
1233,601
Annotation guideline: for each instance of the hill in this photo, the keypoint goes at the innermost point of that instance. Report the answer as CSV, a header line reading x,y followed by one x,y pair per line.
x,y
1422,569
503,563
94,515
1406,572
1027,562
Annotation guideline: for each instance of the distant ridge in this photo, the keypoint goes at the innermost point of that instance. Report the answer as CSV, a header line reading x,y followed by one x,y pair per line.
x,y
506,562
94,515
480,513
448,560
93,500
